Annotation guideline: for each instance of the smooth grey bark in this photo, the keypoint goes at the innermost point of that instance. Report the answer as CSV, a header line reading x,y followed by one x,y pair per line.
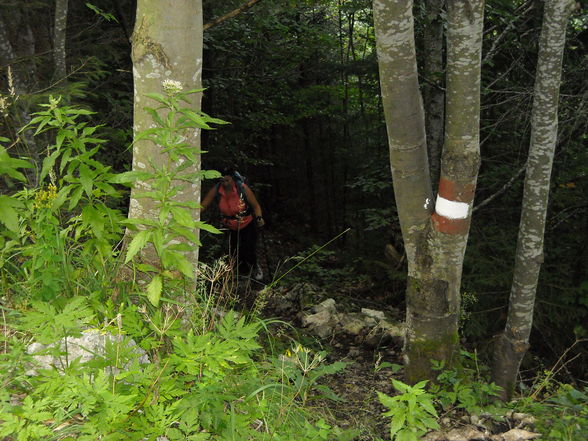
x,y
513,343
435,245
59,32
405,119
167,45
433,93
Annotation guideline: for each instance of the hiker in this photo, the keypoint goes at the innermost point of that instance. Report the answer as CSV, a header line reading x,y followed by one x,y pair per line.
x,y
241,214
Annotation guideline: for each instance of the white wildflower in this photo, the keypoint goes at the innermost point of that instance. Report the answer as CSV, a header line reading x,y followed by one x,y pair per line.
x,y
172,86
3,106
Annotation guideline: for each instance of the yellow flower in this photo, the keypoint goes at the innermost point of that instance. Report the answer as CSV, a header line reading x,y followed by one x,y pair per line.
x,y
45,198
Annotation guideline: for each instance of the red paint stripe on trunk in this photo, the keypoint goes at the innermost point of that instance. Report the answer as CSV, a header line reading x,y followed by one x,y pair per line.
x,y
455,191
450,226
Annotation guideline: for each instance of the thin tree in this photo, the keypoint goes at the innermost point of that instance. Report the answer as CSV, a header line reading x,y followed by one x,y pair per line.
x,y
513,343
433,93
59,33
435,234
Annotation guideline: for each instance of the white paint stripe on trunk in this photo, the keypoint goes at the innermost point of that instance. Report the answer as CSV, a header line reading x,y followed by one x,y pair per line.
x,y
451,209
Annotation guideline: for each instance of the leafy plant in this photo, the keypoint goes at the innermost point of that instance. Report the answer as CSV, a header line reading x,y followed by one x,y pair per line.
x,y
302,367
562,415
172,234
69,215
209,386
207,378
412,412
464,388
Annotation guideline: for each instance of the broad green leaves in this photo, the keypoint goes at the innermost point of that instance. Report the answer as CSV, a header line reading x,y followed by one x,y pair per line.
x,y
412,412
137,244
171,231
9,216
9,165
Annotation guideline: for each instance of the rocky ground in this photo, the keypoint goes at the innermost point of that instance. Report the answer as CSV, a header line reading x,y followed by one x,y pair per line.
x,y
370,341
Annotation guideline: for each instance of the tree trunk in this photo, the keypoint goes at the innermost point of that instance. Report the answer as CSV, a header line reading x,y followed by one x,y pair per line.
x,y
433,94
167,44
28,145
405,122
435,243
59,31
513,343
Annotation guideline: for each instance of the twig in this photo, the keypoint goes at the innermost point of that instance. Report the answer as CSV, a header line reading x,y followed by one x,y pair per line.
x,y
231,14
553,370
501,190
508,28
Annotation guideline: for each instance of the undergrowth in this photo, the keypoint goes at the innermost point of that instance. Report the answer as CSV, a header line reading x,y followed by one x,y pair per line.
x,y
91,349
175,361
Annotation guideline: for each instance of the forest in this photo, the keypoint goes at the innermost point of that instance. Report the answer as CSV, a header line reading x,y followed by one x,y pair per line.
x,y
420,167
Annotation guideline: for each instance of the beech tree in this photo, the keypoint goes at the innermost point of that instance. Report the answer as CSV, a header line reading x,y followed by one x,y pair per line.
x,y
513,343
59,32
435,233
433,95
166,45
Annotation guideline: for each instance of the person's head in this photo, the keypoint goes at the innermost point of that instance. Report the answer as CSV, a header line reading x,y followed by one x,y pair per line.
x,y
227,173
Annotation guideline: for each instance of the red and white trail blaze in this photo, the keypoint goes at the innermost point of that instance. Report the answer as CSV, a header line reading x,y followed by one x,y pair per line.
x,y
453,207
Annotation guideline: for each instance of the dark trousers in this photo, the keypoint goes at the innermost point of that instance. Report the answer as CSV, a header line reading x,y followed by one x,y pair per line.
x,y
242,248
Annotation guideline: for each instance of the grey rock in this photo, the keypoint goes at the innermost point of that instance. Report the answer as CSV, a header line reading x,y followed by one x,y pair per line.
x,y
352,324
434,436
326,305
91,344
519,435
523,420
321,323
456,435
378,315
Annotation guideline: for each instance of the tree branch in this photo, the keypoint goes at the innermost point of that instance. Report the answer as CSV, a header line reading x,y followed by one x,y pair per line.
x,y
231,14
502,189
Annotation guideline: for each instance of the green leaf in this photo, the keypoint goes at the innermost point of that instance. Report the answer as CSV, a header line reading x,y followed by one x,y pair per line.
x,y
420,384
154,115
140,221
61,197
107,16
9,214
207,227
129,177
400,386
158,97
176,260
137,244
86,178
197,119
146,268
397,424
428,406
182,217
211,174
74,111
387,401
154,290
187,233
48,164
75,197
9,165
